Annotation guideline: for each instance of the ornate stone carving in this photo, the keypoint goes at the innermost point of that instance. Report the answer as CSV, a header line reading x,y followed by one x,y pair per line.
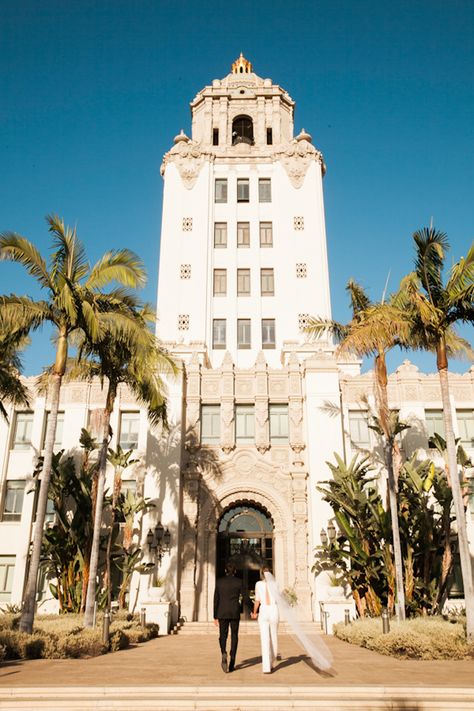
x,y
188,156
296,157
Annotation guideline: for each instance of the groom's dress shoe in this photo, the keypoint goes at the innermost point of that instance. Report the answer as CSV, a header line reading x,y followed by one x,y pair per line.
x,y
224,663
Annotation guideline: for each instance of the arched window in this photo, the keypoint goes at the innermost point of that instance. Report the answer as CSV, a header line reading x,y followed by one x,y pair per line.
x,y
242,130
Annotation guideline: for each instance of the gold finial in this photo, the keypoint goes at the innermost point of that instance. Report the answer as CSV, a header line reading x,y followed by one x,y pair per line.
x,y
241,66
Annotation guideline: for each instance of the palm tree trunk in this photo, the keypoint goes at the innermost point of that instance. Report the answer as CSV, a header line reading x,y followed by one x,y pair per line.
x,y
464,552
381,394
29,600
94,560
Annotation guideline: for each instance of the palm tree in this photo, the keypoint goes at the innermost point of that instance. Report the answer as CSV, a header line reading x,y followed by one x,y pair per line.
x,y
12,341
374,329
75,303
140,366
435,307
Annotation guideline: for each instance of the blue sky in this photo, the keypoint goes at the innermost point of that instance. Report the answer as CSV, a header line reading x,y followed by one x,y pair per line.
x,y
93,92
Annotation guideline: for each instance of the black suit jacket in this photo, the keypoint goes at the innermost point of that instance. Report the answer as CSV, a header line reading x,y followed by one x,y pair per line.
x,y
227,598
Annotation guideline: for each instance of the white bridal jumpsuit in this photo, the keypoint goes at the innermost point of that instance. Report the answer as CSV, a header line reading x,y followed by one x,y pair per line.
x,y
268,622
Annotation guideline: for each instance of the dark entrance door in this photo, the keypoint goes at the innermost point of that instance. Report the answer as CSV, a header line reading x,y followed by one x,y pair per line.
x,y
245,538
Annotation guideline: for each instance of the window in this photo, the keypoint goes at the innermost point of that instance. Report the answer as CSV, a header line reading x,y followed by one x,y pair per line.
x,y
243,333
187,224
58,437
266,234
220,234
129,428
243,282
278,423
218,333
243,190
221,190
434,423
298,222
23,429
264,190
268,333
183,322
210,424
185,271
242,130
269,136
359,429
7,568
220,282
243,234
13,501
244,424
301,270
215,136
267,284
466,427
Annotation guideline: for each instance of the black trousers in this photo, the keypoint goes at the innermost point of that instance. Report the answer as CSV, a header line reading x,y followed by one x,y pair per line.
x,y
234,636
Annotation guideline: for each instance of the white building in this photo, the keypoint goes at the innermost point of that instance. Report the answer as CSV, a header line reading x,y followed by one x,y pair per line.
x,y
243,261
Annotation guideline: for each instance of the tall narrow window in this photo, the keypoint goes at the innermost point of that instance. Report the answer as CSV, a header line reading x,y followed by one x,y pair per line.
x,y
58,437
264,190
221,190
266,234
129,429
215,136
218,333
278,423
243,234
243,333
244,424
359,429
13,500
267,282
434,423
23,429
466,427
220,282
220,234
243,190
7,568
210,424
243,282
269,136
268,333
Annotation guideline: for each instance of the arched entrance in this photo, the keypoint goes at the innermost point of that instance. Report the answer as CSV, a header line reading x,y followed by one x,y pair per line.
x,y
245,538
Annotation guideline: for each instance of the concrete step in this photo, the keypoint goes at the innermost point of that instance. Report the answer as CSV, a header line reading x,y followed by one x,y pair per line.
x,y
237,698
245,627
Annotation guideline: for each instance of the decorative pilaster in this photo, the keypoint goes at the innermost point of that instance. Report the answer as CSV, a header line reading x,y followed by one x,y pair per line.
x,y
262,433
227,404
190,519
295,407
193,403
300,523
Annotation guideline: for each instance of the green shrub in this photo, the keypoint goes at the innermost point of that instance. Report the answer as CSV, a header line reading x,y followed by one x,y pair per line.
x,y
419,638
3,652
118,639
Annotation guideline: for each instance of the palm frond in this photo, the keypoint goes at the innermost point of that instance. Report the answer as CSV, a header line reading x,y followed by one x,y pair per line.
x,y
359,299
15,248
69,257
317,327
431,246
122,266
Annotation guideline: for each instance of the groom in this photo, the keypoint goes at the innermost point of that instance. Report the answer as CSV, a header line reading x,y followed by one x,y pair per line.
x,y
227,597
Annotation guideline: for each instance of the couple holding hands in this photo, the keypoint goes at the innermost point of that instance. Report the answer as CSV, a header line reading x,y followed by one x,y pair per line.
x,y
227,597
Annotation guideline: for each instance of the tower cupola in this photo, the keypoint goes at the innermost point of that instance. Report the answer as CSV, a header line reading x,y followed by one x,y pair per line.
x,y
241,66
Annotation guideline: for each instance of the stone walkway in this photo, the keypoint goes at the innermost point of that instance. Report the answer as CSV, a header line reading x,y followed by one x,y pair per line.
x,y
175,664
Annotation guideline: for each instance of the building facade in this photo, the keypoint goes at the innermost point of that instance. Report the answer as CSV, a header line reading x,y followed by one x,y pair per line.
x,y
243,262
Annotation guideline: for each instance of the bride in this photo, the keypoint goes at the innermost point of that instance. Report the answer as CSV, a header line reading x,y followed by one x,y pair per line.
x,y
272,604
